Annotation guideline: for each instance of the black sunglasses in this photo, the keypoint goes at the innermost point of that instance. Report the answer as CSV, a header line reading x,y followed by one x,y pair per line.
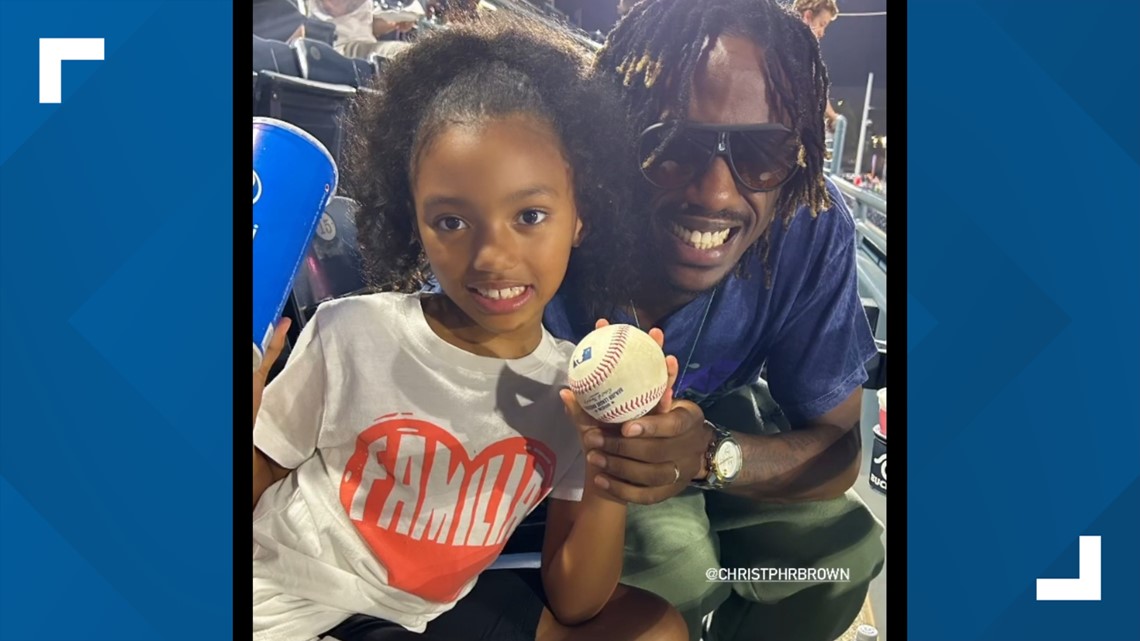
x,y
761,157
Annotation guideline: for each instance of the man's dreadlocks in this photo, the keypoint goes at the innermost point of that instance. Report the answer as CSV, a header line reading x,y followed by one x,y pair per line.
x,y
654,52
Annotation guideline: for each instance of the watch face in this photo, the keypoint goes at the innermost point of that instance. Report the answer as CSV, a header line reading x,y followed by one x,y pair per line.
x,y
728,459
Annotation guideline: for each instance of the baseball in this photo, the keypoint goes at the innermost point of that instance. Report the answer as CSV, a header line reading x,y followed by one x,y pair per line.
x,y
617,373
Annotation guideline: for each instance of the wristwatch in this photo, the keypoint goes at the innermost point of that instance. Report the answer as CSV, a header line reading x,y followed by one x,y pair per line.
x,y
723,459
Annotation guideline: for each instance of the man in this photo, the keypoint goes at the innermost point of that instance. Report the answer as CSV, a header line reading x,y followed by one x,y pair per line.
x,y
358,33
750,267
817,14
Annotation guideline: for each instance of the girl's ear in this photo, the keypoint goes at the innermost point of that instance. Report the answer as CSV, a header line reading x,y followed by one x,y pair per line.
x,y
578,235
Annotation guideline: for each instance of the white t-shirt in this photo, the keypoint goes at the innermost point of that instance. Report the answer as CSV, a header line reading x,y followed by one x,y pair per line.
x,y
415,461
353,26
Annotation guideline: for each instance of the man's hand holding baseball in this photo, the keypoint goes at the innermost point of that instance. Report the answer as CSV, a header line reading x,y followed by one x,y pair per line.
x,y
650,459
654,457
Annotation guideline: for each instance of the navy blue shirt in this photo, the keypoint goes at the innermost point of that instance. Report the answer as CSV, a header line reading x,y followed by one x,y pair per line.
x,y
809,326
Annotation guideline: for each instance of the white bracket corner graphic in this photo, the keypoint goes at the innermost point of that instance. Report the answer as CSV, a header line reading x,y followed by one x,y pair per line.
x,y
53,51
1086,587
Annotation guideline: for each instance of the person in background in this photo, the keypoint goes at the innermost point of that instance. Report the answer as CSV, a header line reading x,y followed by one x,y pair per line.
x,y
817,14
358,33
277,20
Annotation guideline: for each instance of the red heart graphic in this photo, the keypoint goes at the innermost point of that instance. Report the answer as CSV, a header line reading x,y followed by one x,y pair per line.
x,y
433,541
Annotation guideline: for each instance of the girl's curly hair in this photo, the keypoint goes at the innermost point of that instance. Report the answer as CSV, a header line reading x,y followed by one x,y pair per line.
x,y
471,72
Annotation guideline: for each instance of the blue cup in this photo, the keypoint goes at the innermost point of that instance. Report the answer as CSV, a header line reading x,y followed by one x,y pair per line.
x,y
293,178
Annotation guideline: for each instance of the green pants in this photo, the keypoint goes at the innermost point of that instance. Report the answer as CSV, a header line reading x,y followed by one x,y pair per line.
x,y
672,545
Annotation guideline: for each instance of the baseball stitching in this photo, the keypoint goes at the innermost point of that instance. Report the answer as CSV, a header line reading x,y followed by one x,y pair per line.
x,y
609,361
615,412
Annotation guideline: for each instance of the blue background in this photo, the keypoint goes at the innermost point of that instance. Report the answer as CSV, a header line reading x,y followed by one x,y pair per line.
x,y
116,341
1023,316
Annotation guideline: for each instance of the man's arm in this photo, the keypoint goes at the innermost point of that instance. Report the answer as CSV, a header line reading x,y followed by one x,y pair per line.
x,y
820,460
822,345
820,351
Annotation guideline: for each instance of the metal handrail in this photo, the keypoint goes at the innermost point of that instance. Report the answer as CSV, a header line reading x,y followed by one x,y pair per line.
x,y
868,198
835,164
869,212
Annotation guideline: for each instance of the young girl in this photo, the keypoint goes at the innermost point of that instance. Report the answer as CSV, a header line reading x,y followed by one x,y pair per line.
x,y
412,432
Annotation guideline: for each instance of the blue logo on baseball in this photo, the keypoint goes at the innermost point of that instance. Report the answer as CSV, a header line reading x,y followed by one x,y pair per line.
x,y
293,178
585,357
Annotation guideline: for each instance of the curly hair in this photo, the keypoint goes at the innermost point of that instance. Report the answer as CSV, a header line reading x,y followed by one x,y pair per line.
x,y
488,69
654,52
816,6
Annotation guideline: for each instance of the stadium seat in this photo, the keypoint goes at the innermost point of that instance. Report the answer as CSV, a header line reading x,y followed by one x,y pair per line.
x,y
320,30
877,366
320,62
378,64
331,268
316,107
271,55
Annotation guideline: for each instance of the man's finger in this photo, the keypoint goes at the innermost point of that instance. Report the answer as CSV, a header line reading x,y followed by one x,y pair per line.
x,y
658,337
634,472
594,438
601,323
634,494
680,419
654,425
644,450
666,403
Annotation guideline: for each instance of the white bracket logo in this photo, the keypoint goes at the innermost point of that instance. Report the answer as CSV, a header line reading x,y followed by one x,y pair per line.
x,y
53,51
1086,587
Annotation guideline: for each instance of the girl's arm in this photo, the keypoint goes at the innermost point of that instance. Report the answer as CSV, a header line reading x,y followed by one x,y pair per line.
x,y
266,472
582,552
585,540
